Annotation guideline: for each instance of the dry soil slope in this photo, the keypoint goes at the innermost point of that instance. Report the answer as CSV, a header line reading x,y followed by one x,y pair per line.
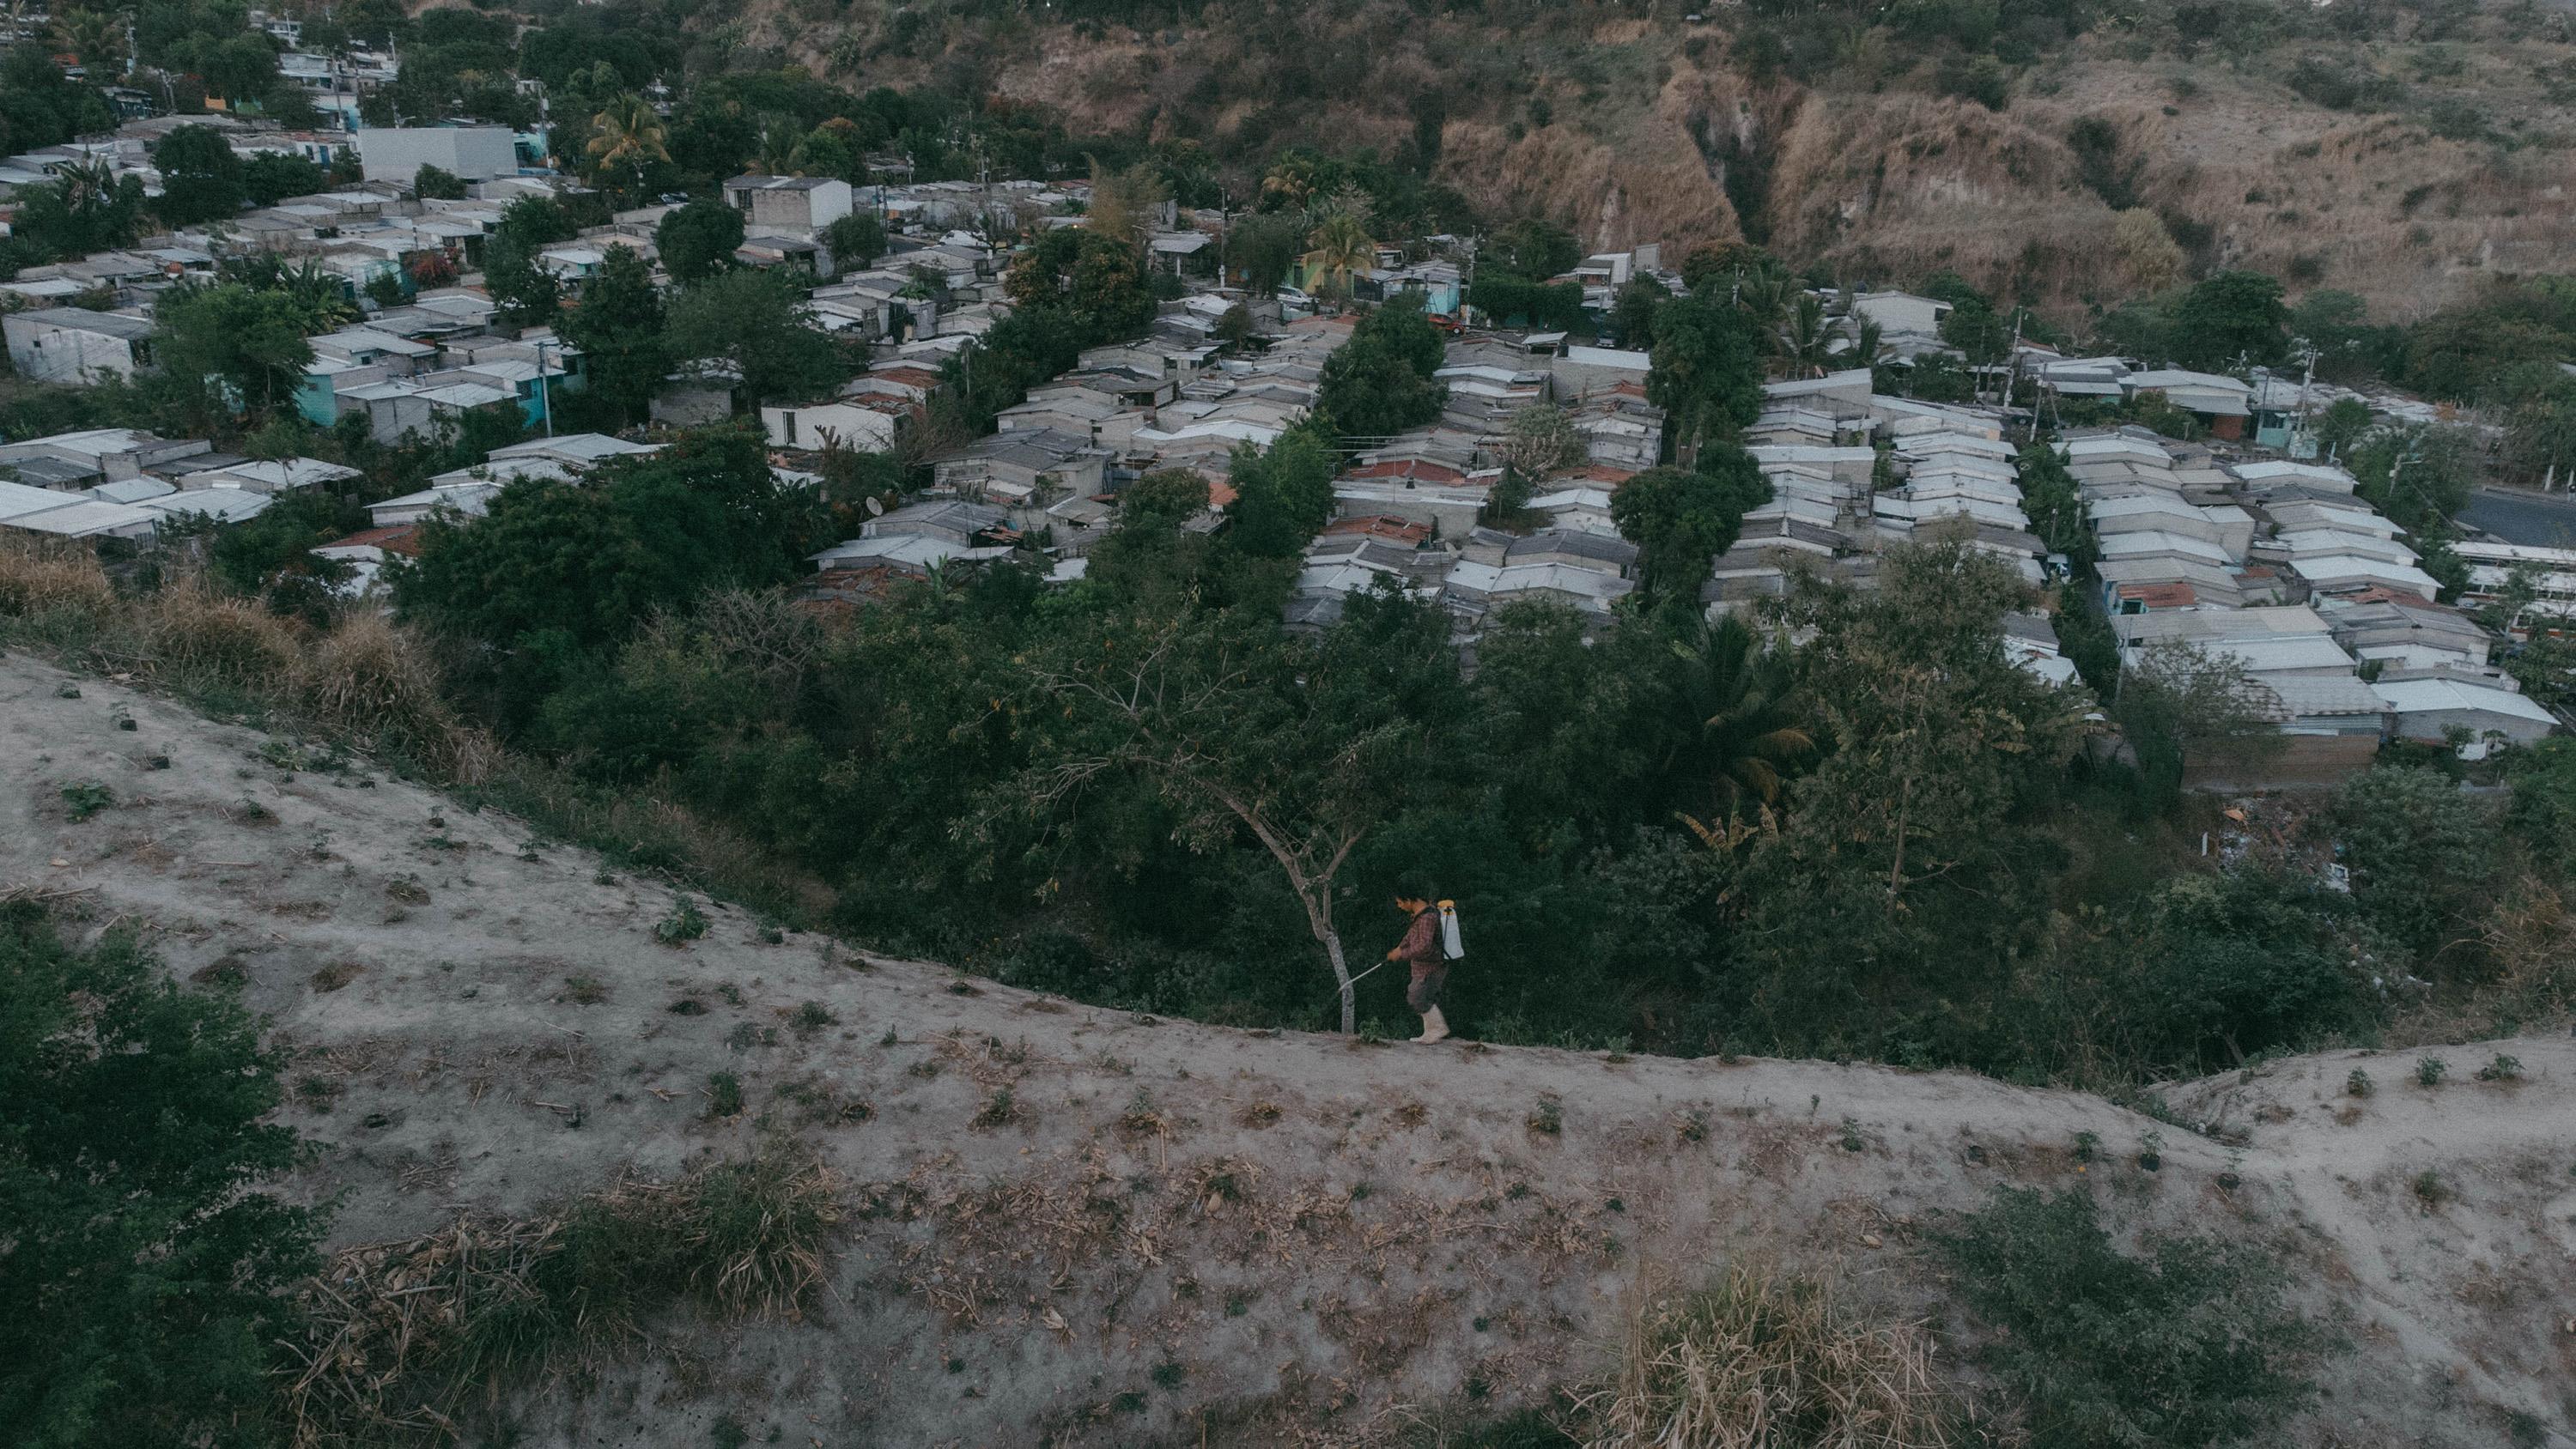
x,y
1324,1238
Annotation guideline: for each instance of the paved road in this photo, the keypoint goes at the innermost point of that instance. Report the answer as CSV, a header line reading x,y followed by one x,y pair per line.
x,y
2518,515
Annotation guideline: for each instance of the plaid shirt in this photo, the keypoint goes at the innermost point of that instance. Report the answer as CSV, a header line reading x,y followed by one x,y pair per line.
x,y
1422,944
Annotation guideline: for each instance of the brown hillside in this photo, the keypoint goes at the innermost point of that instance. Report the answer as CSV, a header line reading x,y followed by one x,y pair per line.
x,y
1867,167
1173,1233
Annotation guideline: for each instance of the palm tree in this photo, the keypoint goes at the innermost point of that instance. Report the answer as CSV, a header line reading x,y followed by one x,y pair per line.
x,y
86,185
1867,345
628,133
1742,734
777,153
323,296
1292,180
1340,246
96,36
1763,294
1805,336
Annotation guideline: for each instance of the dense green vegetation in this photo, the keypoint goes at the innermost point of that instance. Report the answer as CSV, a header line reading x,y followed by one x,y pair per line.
x,y
147,1260
2190,1341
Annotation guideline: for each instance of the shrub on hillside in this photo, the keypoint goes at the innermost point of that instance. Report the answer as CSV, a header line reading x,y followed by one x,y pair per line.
x,y
2191,1341
143,1260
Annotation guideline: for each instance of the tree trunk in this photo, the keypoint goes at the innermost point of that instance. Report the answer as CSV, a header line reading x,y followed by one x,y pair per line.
x,y
1342,974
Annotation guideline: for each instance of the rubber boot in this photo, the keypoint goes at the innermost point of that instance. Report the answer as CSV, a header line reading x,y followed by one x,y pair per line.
x,y
1434,1027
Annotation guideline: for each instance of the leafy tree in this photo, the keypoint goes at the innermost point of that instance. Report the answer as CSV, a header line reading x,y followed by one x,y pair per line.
x,y
2543,808
855,241
1234,327
225,347
2420,853
2239,962
2178,704
553,566
1890,904
1633,313
149,1258
201,178
759,322
1379,383
1095,278
1706,373
2193,1341
42,106
2540,432
1283,494
698,240
2342,424
1681,521
2231,315
1540,442
617,327
272,176
532,222
2056,509
1164,498
1532,249
88,208
529,295
1237,729
248,557
1261,248
1974,329
1511,300
437,183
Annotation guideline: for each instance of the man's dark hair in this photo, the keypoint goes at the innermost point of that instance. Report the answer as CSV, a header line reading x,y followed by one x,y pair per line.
x,y
1413,888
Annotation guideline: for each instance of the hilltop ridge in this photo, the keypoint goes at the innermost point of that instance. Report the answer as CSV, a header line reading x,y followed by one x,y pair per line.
x,y
1088,1226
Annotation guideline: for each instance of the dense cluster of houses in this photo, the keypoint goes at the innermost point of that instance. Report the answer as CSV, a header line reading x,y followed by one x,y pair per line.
x,y
2274,560
128,484
2280,564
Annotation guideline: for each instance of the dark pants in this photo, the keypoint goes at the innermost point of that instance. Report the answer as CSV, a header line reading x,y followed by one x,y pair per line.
x,y
1424,993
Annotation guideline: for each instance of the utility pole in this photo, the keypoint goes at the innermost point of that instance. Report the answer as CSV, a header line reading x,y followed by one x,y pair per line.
x,y
2012,372
545,391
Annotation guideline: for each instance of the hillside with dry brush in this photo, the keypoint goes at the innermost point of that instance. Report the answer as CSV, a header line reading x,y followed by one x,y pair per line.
x,y
2407,156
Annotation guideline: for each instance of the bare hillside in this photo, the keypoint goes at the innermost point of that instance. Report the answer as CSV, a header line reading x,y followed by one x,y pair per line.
x,y
1067,1225
1630,131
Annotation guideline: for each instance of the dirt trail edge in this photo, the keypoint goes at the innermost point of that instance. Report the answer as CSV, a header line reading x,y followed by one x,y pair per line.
x,y
1168,1232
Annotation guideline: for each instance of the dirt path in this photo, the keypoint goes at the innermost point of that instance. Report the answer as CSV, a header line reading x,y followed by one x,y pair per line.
x,y
1174,1231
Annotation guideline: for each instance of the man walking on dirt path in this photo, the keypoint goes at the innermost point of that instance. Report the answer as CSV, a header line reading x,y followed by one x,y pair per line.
x,y
1421,949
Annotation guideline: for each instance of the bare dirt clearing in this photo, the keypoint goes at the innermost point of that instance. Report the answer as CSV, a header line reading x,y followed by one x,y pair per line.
x,y
1070,1224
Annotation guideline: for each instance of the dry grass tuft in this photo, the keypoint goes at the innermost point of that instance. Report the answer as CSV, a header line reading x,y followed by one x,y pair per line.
x,y
1763,1360
204,639
370,681
401,1334
39,578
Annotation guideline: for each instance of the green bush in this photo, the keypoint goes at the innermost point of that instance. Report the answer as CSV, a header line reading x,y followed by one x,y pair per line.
x,y
144,1262
2189,1342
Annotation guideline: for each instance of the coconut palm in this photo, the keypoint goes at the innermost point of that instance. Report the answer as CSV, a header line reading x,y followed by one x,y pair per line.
x,y
628,134
1338,246
1763,293
96,36
1292,181
1805,336
777,153
1868,346
1741,736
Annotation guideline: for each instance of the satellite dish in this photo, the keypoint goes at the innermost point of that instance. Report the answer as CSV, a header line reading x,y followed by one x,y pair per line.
x,y
876,507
